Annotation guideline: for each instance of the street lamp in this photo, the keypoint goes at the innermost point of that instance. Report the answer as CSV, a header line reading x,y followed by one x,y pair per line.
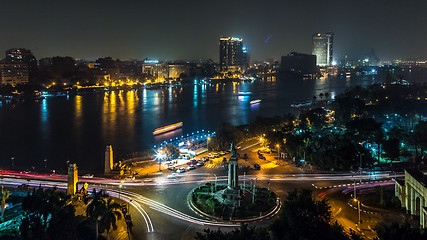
x,y
358,207
215,182
360,168
12,159
207,142
278,152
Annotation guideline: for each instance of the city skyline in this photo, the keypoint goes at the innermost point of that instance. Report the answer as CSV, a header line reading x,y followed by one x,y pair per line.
x,y
190,31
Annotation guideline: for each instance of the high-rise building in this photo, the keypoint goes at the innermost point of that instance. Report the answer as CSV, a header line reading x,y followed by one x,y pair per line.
x,y
232,54
323,48
298,63
18,67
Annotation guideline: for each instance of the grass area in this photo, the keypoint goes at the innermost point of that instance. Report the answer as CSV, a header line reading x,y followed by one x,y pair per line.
x,y
265,201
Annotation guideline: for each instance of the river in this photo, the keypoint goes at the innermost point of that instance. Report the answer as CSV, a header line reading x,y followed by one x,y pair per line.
x,y
48,133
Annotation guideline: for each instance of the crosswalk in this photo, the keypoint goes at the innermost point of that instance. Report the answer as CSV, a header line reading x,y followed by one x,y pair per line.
x,y
212,166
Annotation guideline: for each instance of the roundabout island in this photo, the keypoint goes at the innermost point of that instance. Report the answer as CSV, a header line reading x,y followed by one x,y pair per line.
x,y
234,202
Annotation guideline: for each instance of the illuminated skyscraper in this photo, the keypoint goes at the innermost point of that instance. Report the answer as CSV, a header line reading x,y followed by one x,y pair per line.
x,y
323,48
232,54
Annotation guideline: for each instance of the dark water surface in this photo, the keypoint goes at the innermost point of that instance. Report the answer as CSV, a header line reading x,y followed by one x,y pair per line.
x,y
77,128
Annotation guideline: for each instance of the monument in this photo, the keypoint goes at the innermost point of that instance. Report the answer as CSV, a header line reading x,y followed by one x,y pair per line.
x,y
232,193
73,178
108,163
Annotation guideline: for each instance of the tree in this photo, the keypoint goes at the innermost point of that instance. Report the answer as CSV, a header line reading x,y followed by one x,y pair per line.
x,y
111,213
392,149
4,195
170,151
303,217
326,96
420,136
242,233
392,231
321,96
225,135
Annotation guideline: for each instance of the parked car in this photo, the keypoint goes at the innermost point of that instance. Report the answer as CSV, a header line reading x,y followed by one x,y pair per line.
x,y
191,167
192,162
180,170
257,166
199,164
172,168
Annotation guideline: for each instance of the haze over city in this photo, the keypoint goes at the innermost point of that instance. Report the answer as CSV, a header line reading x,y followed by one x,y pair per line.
x,y
190,30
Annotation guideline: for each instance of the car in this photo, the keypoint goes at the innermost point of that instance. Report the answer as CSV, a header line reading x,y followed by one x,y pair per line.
x,y
172,168
257,166
180,170
173,175
192,162
191,167
260,156
199,164
222,153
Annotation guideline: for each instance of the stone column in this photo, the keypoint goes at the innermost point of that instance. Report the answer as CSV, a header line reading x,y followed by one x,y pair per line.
x,y
408,197
412,201
73,178
108,162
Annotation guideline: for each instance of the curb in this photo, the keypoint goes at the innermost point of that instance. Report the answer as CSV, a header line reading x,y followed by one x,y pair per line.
x,y
263,217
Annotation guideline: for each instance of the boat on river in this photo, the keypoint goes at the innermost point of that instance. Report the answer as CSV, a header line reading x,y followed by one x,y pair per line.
x,y
167,128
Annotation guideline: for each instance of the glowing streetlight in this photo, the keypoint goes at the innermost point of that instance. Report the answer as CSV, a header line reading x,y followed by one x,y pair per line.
x,y
208,139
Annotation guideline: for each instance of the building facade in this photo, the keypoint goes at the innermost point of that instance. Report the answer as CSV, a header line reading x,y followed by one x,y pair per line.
x,y
232,54
323,48
18,66
298,63
412,193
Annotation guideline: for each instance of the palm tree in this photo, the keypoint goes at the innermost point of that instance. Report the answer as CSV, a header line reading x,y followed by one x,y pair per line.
x,y
321,96
326,96
112,212
4,195
314,100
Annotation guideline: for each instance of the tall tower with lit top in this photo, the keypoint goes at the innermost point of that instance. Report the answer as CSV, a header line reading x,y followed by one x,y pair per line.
x,y
108,161
73,178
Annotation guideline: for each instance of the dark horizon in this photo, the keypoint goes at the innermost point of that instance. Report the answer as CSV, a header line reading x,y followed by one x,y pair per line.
x,y
172,30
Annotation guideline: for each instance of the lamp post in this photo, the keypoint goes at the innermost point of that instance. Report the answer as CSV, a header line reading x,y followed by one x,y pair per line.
x,y
278,152
360,168
244,180
358,208
207,142
12,159
215,182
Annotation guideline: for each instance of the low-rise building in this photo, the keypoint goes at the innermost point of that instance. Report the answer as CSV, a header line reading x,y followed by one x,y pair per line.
x,y
412,193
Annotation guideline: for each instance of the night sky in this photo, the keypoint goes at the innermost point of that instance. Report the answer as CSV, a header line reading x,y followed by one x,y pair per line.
x,y
172,29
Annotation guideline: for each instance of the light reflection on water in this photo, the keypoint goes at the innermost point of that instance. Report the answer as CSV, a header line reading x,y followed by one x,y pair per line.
x,y
79,128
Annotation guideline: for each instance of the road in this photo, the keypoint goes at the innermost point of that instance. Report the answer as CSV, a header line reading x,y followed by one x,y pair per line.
x,y
160,209
159,206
